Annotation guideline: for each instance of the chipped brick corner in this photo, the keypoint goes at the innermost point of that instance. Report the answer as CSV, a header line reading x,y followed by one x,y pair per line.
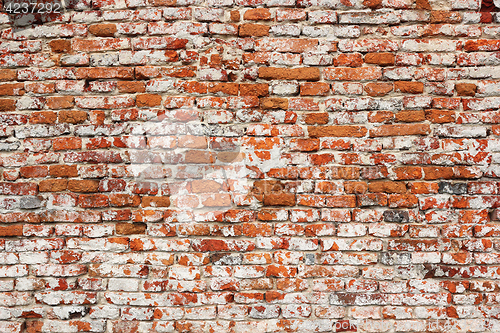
x,y
253,166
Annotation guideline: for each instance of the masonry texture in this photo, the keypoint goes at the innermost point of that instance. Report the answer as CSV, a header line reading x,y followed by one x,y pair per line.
x,y
250,166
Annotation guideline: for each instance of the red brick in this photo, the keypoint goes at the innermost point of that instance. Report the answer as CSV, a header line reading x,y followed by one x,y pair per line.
x,y
63,171
11,231
275,73
60,102
257,14
409,87
337,131
103,30
33,171
314,89
93,200
378,89
72,117
125,73
387,187
381,59
148,100
60,45
67,144
131,87
348,60
395,130
352,74
256,89
274,103
410,116
7,104
466,89
53,185
12,89
43,117
253,30
316,118
482,45
83,186
444,16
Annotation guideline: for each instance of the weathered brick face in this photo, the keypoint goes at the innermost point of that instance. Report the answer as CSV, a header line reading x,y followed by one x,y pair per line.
x,y
250,166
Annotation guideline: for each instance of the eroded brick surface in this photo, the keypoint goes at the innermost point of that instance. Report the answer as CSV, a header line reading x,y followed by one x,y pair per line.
x,y
250,166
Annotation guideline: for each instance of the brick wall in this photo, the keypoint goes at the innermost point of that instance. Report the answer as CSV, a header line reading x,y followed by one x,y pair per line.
x,y
250,166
